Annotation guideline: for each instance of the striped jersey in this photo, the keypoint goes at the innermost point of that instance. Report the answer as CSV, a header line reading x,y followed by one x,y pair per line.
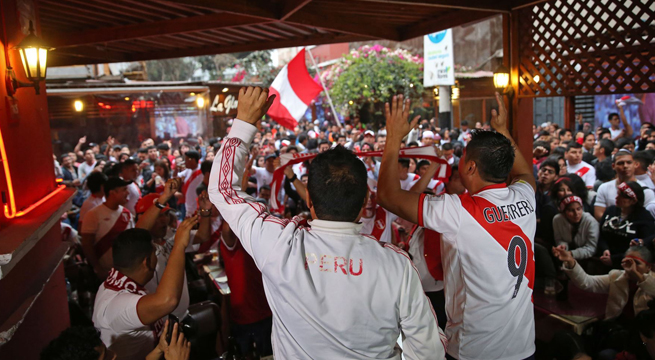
x,y
488,261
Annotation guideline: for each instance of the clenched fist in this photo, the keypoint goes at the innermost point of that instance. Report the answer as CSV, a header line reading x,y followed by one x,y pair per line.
x,y
253,104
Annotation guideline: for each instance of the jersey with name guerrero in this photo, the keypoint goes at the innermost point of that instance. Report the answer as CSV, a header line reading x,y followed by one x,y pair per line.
x,y
488,261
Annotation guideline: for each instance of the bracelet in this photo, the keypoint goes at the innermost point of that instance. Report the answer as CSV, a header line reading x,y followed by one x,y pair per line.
x,y
158,204
208,212
294,178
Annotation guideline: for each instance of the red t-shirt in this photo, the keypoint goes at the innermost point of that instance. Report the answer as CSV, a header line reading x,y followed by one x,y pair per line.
x,y
247,299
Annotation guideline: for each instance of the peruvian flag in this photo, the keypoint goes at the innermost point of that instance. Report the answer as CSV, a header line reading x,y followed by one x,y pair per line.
x,y
295,90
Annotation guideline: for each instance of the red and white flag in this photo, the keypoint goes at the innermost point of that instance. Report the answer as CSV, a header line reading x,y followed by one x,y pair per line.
x,y
294,90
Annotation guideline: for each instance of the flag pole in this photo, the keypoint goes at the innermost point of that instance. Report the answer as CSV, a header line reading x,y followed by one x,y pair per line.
x,y
334,112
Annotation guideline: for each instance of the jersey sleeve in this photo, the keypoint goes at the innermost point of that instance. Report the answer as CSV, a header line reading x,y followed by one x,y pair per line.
x,y
423,338
258,231
125,316
440,213
526,191
590,178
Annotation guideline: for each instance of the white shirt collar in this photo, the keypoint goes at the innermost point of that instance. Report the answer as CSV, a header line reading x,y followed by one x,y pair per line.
x,y
341,227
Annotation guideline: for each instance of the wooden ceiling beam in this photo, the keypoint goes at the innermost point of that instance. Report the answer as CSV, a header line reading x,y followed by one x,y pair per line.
x,y
84,55
290,7
157,28
255,8
497,6
452,19
344,24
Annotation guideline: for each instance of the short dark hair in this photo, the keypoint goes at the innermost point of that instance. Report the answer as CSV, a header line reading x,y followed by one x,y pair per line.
x,y
589,133
150,148
265,187
163,146
74,343
604,131
644,159
404,162
126,163
607,146
322,142
63,156
543,133
206,167
562,132
131,247
337,185
550,163
573,145
413,143
95,181
464,123
142,151
422,163
620,143
447,146
193,155
611,115
493,154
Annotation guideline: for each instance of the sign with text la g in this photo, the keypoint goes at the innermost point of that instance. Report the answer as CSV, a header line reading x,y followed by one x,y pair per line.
x,y
438,68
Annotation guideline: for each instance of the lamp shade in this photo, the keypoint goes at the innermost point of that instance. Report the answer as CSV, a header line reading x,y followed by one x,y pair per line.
x,y
501,78
34,55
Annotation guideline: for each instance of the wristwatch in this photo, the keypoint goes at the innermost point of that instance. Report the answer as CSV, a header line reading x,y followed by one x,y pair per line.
x,y
294,178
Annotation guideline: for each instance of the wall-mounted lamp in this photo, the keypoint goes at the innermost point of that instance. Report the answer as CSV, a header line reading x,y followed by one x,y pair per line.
x,y
34,56
200,101
78,105
225,89
454,92
501,80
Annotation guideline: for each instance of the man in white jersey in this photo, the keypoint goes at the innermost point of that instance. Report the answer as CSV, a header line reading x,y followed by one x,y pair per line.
x,y
575,165
334,293
624,165
487,239
191,179
129,170
129,318
376,221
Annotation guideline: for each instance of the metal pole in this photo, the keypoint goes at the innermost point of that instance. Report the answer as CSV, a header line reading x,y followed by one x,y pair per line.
x,y
334,112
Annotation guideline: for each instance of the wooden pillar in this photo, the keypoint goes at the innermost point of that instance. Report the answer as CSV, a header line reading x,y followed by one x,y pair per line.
x,y
520,109
569,113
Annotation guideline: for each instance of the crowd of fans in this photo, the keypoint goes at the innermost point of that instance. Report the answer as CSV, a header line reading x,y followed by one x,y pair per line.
x,y
139,211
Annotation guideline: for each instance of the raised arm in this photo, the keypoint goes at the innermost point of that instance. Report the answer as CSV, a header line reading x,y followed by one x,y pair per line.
x,y
301,189
147,219
424,181
390,195
521,170
628,128
246,217
204,232
153,307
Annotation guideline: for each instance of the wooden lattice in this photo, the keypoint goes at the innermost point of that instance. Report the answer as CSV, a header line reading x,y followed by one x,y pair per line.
x,y
585,47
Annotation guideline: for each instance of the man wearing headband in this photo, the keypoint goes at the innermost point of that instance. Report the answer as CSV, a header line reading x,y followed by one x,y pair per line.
x,y
488,294
624,165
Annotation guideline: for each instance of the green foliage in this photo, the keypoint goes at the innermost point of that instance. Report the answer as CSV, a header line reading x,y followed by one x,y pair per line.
x,y
373,75
178,69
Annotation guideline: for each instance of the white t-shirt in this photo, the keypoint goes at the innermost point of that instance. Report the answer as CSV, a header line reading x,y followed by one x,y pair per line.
x,y
379,226
263,177
417,251
115,315
85,169
190,196
646,181
163,252
607,192
488,296
90,203
409,182
583,170
133,197
615,133
99,221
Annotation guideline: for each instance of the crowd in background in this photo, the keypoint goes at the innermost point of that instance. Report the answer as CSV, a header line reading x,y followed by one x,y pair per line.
x,y
595,212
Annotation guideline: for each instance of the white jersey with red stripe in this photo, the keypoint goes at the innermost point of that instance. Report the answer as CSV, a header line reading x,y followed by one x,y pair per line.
x,y
488,262
437,186
411,180
379,226
583,170
334,293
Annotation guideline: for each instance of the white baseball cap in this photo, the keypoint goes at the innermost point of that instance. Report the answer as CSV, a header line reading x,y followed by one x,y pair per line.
x,y
427,135
312,134
369,133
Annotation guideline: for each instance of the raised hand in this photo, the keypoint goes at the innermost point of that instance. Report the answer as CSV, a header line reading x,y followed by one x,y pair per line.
x,y
203,201
169,190
254,102
288,171
183,232
564,256
500,122
82,140
397,114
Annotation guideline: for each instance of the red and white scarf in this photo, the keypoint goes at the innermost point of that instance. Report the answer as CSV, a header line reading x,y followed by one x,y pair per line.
x,y
423,152
117,281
